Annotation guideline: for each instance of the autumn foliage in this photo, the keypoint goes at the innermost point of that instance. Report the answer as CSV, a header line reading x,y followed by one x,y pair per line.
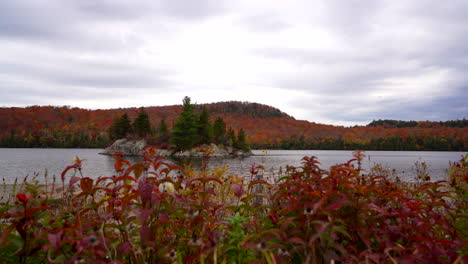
x,y
265,127
158,212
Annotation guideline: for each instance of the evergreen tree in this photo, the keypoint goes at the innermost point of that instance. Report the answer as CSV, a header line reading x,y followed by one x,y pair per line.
x,y
125,125
241,142
219,131
163,132
141,125
185,129
114,129
120,127
204,127
232,138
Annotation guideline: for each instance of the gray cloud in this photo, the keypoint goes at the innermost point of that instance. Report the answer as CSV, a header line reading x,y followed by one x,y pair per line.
x,y
32,19
352,19
330,61
340,73
135,10
84,25
192,9
264,22
378,54
87,73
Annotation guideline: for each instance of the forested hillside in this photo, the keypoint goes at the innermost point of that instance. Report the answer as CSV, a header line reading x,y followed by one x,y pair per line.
x,y
388,123
265,127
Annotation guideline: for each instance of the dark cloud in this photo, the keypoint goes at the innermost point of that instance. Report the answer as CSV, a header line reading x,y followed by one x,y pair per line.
x,y
358,109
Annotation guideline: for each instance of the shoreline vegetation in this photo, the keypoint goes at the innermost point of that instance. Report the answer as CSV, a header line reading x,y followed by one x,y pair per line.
x,y
158,212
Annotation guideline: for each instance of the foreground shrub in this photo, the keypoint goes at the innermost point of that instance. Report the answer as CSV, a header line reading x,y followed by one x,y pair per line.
x,y
158,212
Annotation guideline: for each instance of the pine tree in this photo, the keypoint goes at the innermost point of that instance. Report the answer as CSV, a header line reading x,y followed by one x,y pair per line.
x,y
204,127
241,142
219,131
163,132
125,125
120,127
232,138
184,132
141,125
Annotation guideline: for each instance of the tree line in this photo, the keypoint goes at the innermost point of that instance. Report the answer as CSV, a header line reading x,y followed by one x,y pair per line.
x,y
393,143
53,138
390,123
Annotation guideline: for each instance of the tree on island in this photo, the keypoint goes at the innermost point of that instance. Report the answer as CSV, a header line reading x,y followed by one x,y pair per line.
x,y
231,138
204,128
241,142
219,131
163,130
141,124
162,134
184,133
120,127
192,129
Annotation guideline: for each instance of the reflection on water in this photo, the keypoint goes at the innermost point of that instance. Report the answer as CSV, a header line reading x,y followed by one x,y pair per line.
x,y
17,163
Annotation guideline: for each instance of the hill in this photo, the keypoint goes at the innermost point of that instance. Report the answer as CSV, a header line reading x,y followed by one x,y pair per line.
x,y
265,126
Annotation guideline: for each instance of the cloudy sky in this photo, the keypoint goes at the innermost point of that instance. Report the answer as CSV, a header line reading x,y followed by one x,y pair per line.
x,y
328,61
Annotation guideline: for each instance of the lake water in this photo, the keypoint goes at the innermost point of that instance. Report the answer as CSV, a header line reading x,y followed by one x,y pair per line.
x,y
19,163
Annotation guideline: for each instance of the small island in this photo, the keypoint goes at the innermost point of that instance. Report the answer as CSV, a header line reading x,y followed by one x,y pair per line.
x,y
192,135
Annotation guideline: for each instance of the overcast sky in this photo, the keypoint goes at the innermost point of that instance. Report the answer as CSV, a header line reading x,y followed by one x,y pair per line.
x,y
340,62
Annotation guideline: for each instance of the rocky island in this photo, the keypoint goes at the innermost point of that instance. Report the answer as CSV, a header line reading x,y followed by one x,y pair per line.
x,y
135,147
192,135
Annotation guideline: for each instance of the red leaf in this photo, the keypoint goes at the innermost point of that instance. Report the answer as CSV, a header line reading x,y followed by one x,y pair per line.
x,y
145,214
335,205
258,182
145,187
22,198
86,184
67,169
19,227
137,169
237,189
73,180
146,234
118,165
124,178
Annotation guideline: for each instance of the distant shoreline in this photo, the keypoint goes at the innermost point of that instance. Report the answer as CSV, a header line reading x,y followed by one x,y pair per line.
x,y
462,151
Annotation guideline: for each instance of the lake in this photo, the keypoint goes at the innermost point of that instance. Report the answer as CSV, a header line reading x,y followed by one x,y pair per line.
x,y
19,163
